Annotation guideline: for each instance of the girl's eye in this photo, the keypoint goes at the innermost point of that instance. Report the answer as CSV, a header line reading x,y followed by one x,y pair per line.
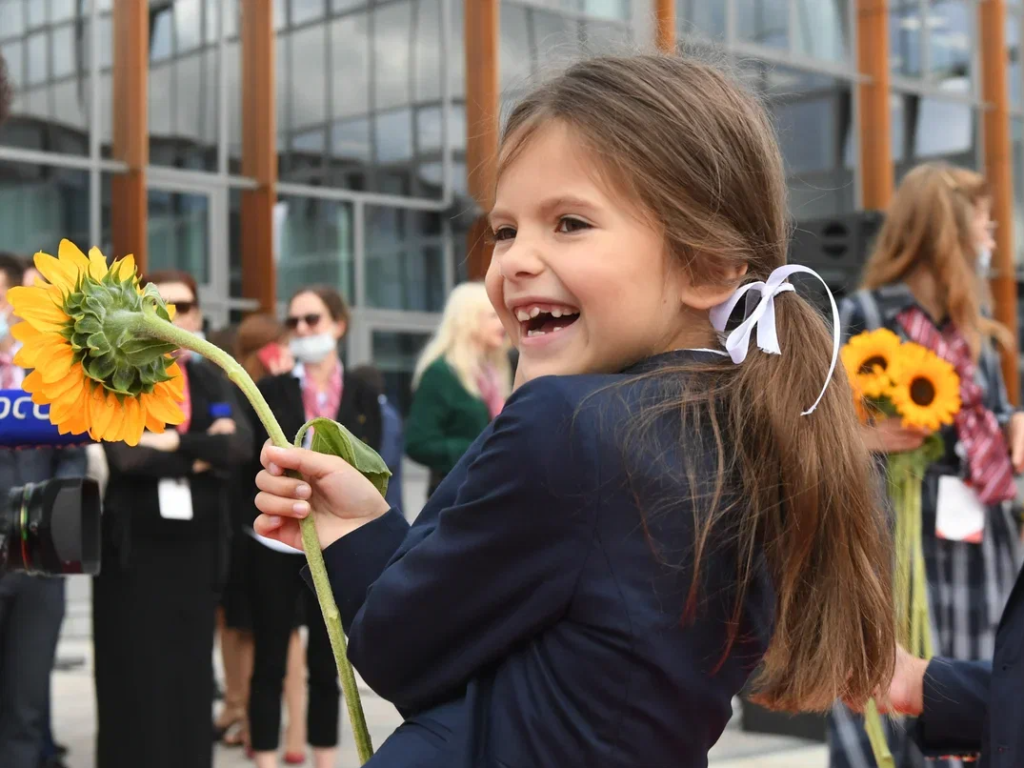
x,y
503,233
568,225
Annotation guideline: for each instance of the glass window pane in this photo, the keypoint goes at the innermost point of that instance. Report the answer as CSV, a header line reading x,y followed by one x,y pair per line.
x,y
308,86
306,10
765,22
346,5
602,37
822,30
13,54
60,10
40,205
394,136
188,20
556,37
701,18
38,55
12,19
616,10
36,13
516,59
350,66
427,70
944,128
64,51
161,80
178,234
1017,134
404,259
314,244
950,31
392,46
905,37
211,21
161,37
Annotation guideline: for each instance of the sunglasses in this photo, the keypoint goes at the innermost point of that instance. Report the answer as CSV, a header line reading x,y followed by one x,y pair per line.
x,y
311,320
184,307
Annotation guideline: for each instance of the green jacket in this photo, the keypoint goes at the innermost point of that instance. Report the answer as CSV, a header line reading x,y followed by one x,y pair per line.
x,y
444,419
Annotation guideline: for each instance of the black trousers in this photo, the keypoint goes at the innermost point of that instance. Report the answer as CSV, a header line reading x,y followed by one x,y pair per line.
x,y
277,591
31,611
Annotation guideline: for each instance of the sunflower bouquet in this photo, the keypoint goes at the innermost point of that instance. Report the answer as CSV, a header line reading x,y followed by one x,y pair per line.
x,y
100,348
894,379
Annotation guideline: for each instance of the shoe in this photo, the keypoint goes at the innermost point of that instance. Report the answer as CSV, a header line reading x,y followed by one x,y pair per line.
x,y
294,758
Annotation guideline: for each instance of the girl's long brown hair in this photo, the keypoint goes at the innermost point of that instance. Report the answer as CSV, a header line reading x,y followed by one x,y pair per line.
x,y
929,226
698,154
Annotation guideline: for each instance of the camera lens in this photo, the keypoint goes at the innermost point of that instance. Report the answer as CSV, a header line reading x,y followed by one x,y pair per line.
x,y
52,527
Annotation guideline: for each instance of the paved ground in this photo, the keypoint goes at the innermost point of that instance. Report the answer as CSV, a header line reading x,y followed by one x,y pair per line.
x,y
74,697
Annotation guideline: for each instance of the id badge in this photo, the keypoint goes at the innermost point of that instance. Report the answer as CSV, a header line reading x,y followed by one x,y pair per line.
x,y
960,514
175,499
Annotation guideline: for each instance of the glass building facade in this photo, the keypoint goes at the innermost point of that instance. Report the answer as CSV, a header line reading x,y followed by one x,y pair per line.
x,y
371,128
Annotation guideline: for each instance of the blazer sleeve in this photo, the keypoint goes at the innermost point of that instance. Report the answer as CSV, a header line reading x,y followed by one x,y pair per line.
x,y
499,565
426,439
956,696
224,452
123,459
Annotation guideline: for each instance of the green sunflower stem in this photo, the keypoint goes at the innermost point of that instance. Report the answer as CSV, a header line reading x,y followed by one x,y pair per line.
x,y
148,324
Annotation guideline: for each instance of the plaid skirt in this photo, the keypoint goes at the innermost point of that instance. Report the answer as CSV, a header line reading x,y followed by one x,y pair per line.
x,y
968,586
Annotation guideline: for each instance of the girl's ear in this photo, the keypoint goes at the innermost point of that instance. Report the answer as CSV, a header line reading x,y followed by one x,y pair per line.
x,y
704,297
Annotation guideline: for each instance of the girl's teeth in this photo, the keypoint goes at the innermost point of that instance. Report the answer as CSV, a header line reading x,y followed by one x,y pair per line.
x,y
534,312
523,315
556,313
555,329
535,333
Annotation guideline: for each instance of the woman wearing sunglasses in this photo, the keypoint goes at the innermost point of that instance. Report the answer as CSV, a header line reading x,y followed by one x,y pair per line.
x,y
318,386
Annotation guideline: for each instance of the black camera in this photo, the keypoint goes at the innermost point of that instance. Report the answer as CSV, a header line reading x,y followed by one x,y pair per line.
x,y
51,528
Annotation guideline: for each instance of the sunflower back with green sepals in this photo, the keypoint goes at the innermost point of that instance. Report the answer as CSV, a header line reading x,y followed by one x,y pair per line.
x,y
110,354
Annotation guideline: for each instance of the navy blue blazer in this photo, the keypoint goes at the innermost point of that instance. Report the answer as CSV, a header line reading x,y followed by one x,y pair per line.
x,y
972,706
533,615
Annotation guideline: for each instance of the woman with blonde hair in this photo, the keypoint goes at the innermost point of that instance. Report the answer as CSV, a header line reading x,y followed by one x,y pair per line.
x,y
461,381
926,282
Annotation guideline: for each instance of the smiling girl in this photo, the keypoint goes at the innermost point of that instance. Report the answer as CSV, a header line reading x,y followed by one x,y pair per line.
x,y
658,514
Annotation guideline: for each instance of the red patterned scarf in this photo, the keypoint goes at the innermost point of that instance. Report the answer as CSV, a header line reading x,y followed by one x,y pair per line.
x,y
322,405
989,470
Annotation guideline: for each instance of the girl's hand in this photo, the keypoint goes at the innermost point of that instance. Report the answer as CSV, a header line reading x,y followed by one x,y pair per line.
x,y
340,498
1015,437
906,693
890,436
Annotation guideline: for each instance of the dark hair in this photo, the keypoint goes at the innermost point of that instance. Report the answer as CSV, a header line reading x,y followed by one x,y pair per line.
x,y
336,305
254,333
13,268
224,338
697,155
164,276
371,377
6,91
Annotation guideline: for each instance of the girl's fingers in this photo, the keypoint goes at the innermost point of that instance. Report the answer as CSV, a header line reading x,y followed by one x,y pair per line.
x,y
281,506
279,529
289,487
307,463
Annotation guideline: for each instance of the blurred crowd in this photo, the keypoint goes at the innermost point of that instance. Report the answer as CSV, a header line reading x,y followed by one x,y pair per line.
x,y
183,572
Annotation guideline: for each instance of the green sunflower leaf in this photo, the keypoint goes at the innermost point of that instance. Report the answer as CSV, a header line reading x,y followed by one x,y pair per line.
x,y
144,351
101,368
332,438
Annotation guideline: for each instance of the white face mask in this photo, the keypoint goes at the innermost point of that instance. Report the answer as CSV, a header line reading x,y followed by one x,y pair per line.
x,y
312,349
984,263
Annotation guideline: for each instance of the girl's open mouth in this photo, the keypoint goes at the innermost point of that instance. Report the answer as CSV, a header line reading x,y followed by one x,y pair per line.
x,y
540,320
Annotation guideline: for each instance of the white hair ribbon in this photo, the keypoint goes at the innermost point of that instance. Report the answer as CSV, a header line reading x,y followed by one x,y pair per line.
x,y
762,315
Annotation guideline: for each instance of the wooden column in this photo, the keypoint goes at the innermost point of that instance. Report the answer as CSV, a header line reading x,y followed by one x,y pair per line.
x,y
665,19
259,153
130,117
876,168
999,172
482,104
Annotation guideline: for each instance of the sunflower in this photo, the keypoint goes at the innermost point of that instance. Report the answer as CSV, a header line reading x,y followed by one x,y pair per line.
x,y
86,364
926,391
871,359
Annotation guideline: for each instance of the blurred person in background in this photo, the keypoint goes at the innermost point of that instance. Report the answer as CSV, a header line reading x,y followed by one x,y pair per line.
x,y
461,382
164,553
927,282
318,386
392,445
31,607
260,346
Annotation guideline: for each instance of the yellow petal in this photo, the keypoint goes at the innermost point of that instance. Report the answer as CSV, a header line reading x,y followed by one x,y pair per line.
x,y
33,383
37,306
97,264
101,412
68,251
63,274
176,386
171,311
115,430
134,421
24,332
162,407
67,410
153,424
125,267
57,365
41,348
